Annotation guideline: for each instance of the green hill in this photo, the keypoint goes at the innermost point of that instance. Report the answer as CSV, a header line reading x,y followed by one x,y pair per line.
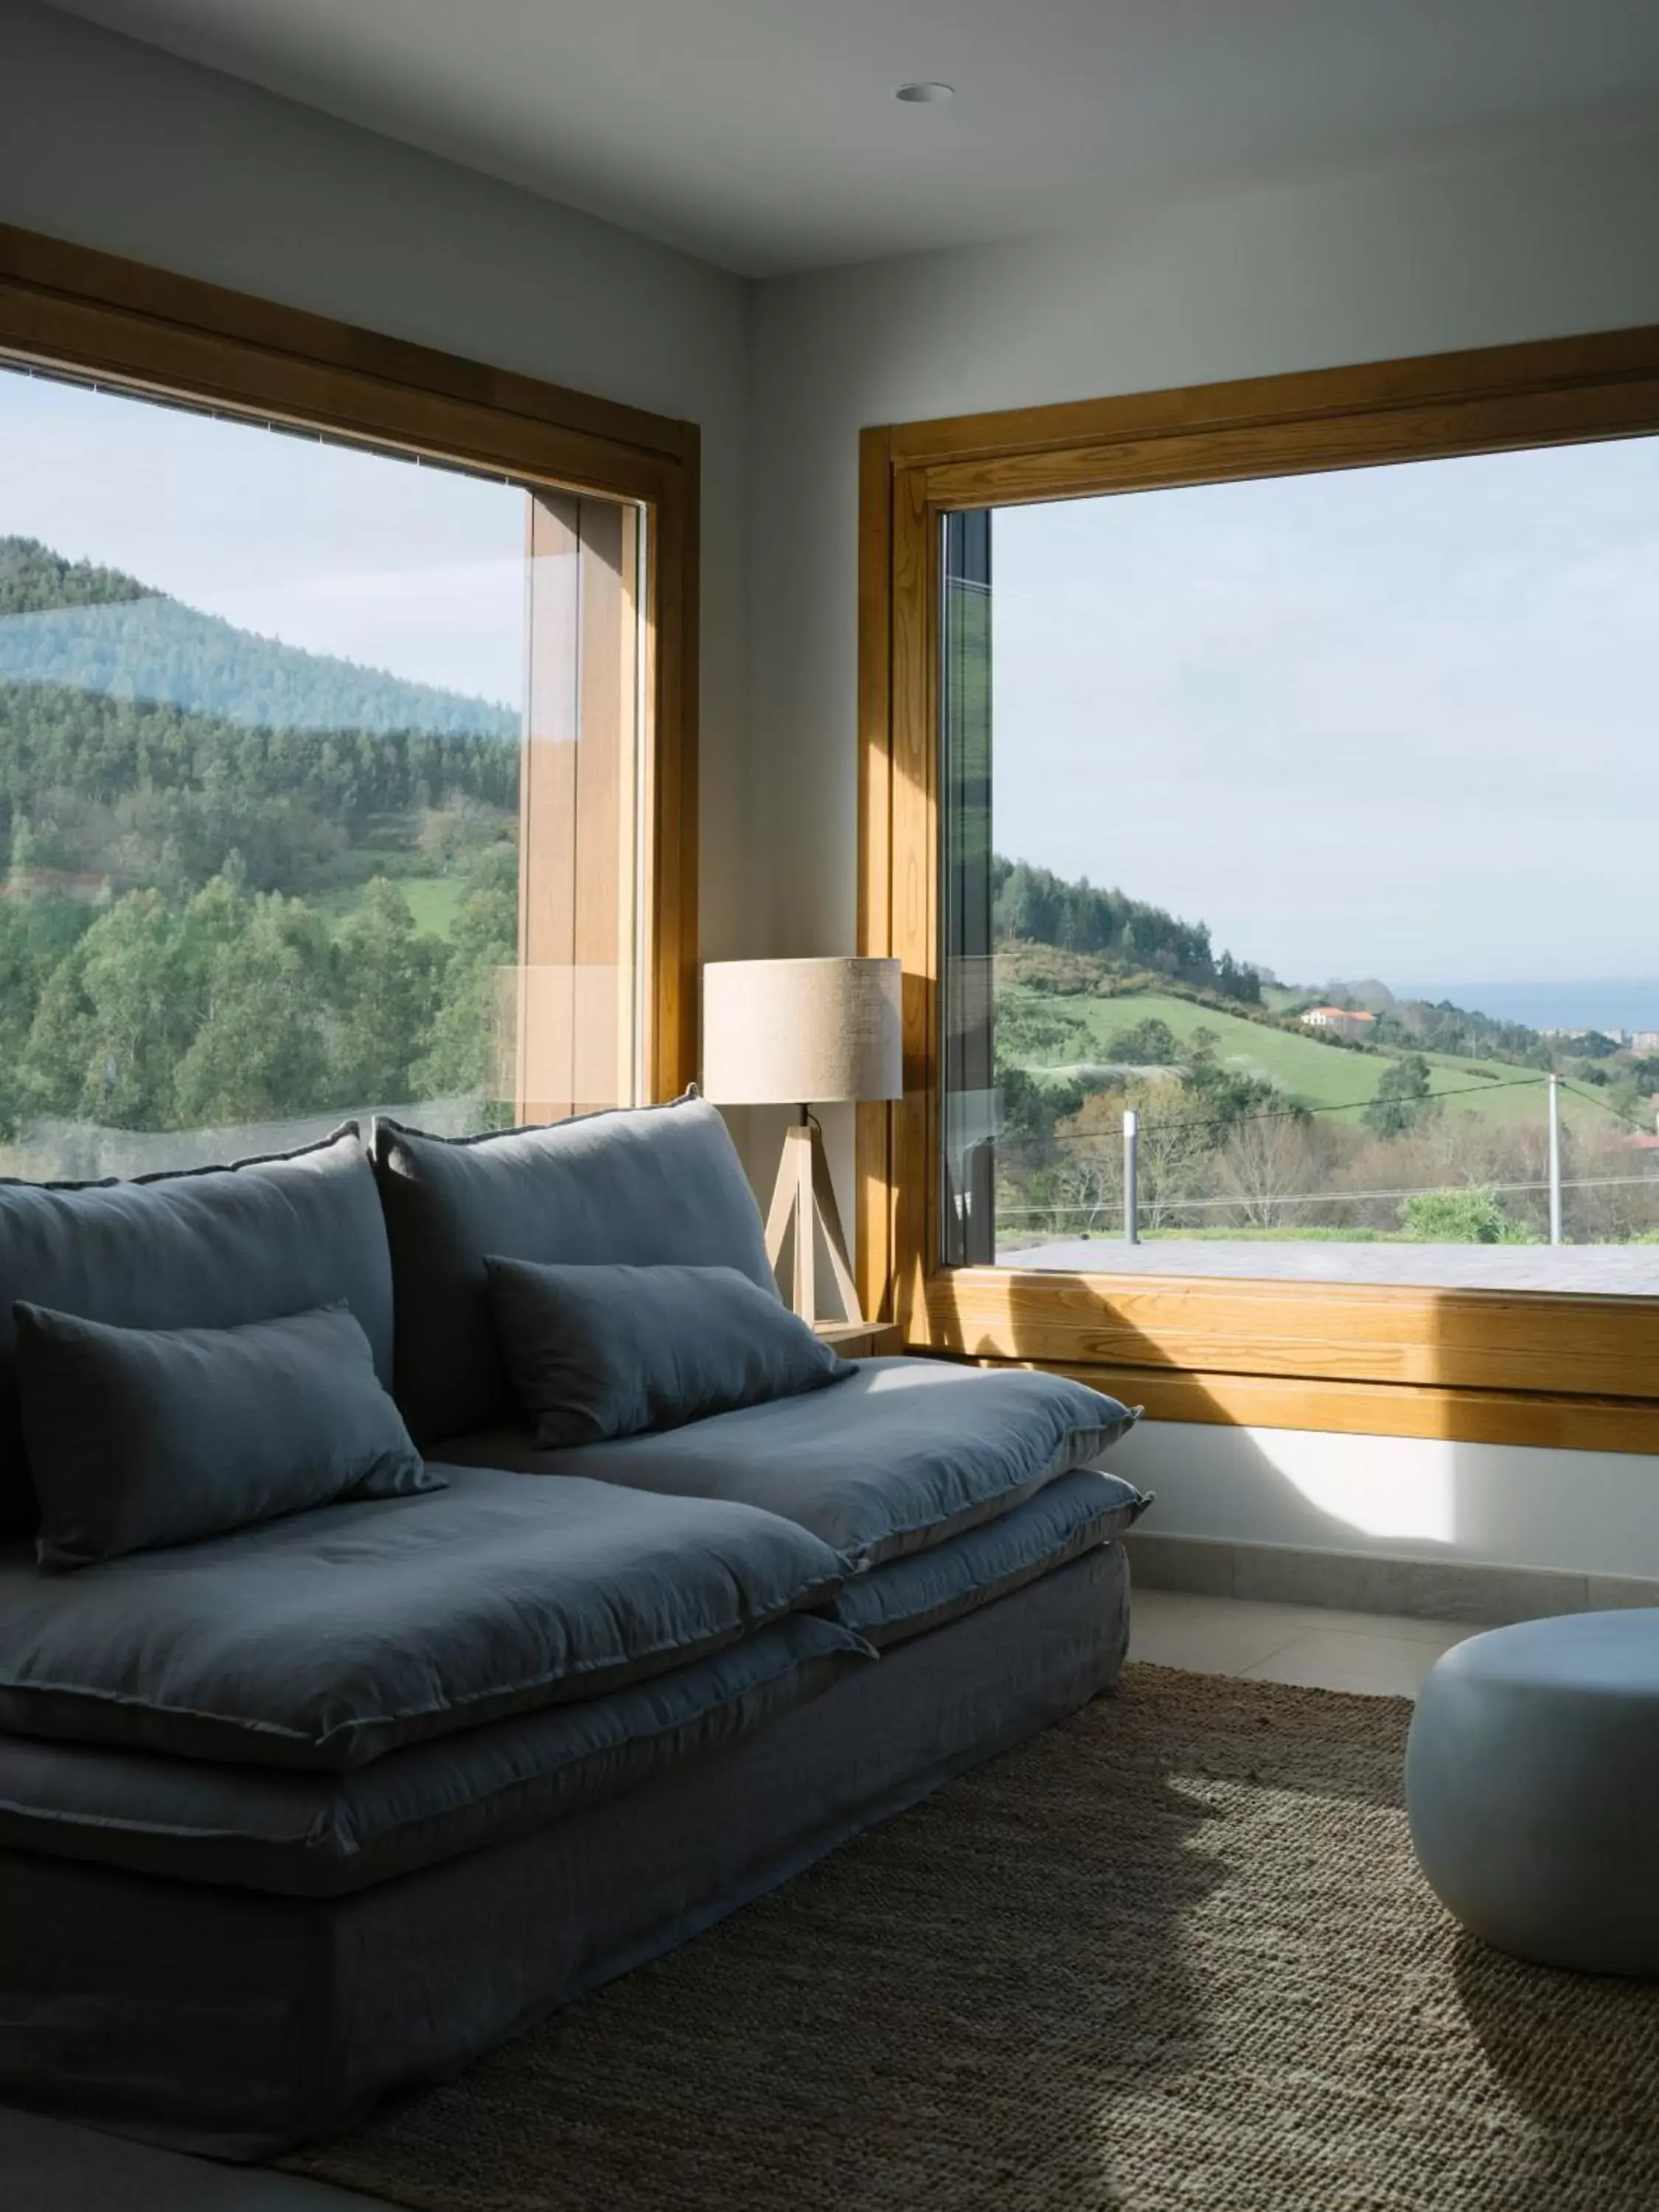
x,y
1308,1070
69,624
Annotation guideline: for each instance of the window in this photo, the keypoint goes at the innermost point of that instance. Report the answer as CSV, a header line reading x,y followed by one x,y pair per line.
x,y
1270,762
332,770
1297,825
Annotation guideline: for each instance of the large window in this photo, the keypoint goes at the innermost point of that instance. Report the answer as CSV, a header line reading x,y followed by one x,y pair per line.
x,y
1258,789
331,772
1297,831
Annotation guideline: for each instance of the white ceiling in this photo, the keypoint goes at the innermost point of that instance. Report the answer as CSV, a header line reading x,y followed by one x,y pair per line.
x,y
764,135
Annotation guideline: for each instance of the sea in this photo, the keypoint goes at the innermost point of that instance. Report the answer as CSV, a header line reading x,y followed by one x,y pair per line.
x,y
1598,1004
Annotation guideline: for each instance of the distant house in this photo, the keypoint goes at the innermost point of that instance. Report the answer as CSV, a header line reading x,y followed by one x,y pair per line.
x,y
1340,1021
1644,1044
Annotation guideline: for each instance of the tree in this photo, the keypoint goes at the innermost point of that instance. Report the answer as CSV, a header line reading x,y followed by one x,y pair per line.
x,y
261,1050
115,1020
386,995
469,1041
1149,1043
1402,1099
1265,1160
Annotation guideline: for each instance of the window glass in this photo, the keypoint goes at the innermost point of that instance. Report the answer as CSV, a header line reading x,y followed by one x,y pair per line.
x,y
318,788
1309,823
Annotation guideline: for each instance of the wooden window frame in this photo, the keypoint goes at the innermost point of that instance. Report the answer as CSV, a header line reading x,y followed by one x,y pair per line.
x,y
146,331
1476,1366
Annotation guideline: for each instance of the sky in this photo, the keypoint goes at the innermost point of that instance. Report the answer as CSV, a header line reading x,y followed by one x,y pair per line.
x,y
416,570
1396,722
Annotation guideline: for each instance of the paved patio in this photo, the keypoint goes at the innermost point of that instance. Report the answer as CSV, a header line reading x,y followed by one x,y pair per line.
x,y
1618,1270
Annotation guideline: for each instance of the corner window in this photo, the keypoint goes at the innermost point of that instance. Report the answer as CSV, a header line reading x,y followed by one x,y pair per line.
x,y
1296,839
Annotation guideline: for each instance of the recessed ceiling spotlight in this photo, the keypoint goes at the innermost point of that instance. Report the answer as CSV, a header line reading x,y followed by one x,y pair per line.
x,y
924,94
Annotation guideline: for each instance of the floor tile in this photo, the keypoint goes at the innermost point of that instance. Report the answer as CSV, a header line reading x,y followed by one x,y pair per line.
x,y
1211,1635
1341,1659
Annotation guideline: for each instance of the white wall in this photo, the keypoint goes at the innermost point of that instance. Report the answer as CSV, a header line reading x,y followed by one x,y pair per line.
x,y
110,143
1186,294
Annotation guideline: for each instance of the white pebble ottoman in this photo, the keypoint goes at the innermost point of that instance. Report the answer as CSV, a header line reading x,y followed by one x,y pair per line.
x,y
1532,1782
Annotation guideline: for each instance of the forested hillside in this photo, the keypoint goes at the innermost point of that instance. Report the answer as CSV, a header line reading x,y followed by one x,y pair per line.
x,y
208,839
1034,906
95,629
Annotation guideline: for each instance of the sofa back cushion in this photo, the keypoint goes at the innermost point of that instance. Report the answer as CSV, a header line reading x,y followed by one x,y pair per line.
x,y
651,1185
208,1249
608,1352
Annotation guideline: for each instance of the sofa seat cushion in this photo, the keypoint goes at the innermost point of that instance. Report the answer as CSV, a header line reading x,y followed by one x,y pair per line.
x,y
210,1247
328,1638
321,1835
925,1590
642,1187
900,1456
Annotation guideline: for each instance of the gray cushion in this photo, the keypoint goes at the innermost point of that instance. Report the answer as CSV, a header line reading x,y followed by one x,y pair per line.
x,y
203,1250
899,1457
647,1187
327,1638
320,1835
143,1436
925,1590
608,1352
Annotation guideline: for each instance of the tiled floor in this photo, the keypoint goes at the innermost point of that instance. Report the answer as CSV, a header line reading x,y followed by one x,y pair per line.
x,y
1386,1653
48,2166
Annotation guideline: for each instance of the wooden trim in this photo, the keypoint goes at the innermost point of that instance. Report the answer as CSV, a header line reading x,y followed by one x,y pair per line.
x,y
1480,1366
124,318
1537,369
1468,1417
1337,1332
874,1179
671,819
149,331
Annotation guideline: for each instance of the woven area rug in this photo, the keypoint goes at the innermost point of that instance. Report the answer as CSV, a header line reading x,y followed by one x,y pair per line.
x,y
1173,1954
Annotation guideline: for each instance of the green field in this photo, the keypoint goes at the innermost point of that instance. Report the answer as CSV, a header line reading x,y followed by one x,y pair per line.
x,y
1308,1070
434,901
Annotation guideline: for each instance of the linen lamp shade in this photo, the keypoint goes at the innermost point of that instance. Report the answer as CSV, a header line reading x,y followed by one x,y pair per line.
x,y
800,1032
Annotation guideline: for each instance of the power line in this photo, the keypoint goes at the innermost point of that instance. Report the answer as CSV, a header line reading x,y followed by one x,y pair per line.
x,y
1607,1107
1301,1113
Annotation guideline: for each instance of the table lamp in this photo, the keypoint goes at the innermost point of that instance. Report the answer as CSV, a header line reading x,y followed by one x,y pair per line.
x,y
804,1033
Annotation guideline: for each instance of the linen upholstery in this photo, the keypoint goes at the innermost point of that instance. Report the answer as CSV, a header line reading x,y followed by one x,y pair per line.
x,y
320,1835
329,1638
645,1187
224,2022
607,1351
207,1248
139,1437
924,1589
900,1456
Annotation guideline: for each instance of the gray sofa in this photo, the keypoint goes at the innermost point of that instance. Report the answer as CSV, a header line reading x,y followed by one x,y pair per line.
x,y
324,1806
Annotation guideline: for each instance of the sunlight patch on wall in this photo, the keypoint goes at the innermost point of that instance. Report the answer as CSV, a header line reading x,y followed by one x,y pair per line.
x,y
1376,1492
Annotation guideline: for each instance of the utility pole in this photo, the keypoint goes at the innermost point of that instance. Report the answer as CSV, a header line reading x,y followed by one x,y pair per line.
x,y
1555,1159
1131,1176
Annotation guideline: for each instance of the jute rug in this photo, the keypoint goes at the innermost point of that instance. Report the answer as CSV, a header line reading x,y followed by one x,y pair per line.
x,y
1172,1954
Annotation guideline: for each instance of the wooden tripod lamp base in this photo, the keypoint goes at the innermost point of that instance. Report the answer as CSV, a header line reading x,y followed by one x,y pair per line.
x,y
776,1032
804,1199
